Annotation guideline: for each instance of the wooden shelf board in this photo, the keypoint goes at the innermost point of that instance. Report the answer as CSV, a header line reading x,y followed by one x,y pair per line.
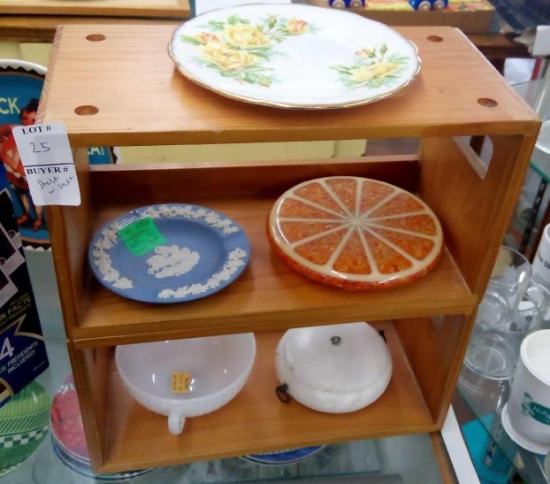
x,y
177,111
267,296
256,421
94,8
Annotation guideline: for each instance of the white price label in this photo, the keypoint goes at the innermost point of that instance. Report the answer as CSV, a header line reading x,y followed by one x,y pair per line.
x,y
48,160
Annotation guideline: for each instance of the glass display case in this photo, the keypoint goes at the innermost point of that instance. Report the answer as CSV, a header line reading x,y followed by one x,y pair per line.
x,y
495,456
410,459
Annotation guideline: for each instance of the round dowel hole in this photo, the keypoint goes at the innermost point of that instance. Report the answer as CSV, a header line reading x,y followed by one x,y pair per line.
x,y
435,38
86,110
487,102
95,37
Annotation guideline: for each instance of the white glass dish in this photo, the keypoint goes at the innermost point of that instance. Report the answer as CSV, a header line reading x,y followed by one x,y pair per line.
x,y
214,368
336,369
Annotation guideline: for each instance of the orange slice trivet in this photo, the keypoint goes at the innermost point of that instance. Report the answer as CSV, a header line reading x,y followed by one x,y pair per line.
x,y
355,233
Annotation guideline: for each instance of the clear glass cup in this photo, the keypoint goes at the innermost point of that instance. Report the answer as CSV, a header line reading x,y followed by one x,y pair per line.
x,y
511,276
493,351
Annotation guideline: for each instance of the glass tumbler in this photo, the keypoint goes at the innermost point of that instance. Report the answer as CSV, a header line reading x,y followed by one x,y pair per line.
x,y
511,277
493,351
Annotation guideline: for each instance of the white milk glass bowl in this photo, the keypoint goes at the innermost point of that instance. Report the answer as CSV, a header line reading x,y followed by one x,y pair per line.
x,y
335,369
187,377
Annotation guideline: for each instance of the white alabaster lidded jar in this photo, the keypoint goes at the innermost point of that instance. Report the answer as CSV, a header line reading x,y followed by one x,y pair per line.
x,y
336,369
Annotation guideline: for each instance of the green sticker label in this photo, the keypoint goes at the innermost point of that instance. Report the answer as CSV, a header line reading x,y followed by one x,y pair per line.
x,y
535,410
141,236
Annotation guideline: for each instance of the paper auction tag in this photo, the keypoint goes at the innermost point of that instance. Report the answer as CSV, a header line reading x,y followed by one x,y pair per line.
x,y
46,155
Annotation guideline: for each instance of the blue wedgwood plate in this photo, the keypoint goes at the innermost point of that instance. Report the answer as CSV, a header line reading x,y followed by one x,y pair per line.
x,y
204,252
283,457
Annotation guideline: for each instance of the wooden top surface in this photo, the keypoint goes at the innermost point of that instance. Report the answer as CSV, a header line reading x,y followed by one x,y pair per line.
x,y
136,8
143,100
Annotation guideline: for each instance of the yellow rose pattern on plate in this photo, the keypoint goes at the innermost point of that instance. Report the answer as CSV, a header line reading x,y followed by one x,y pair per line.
x,y
372,68
240,50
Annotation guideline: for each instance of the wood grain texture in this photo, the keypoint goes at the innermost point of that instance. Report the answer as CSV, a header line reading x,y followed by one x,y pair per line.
x,y
444,463
267,296
468,20
435,348
129,8
261,422
495,47
91,379
476,211
42,28
144,100
67,230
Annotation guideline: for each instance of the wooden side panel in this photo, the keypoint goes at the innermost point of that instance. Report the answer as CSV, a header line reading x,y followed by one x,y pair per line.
x,y
442,458
435,348
91,374
68,225
474,212
69,233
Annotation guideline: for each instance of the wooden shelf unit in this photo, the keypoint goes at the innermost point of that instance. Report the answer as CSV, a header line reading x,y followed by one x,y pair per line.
x,y
116,86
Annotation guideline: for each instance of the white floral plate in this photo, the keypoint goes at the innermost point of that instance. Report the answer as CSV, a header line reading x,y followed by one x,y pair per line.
x,y
294,56
203,251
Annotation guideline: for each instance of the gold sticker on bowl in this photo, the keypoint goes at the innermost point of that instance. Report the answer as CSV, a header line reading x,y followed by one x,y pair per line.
x,y
181,382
